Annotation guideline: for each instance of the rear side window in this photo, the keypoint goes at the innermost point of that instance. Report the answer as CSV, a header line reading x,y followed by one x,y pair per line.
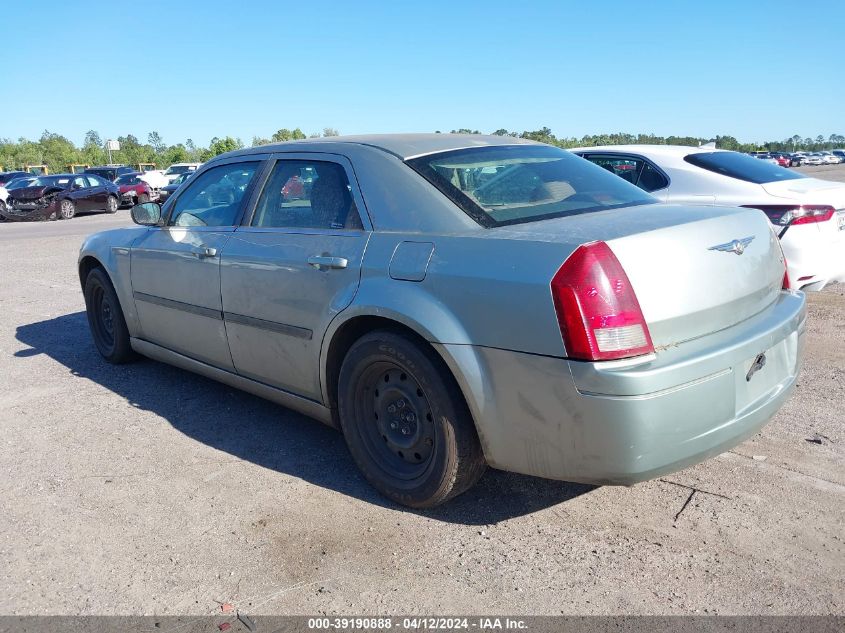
x,y
497,186
215,197
307,194
633,169
741,167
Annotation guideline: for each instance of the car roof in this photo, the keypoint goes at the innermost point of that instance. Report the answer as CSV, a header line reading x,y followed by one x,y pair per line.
x,y
675,151
404,146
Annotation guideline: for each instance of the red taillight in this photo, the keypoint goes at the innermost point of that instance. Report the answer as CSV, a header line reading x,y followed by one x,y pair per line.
x,y
786,285
792,214
597,309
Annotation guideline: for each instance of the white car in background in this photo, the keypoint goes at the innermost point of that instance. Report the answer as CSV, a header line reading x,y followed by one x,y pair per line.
x,y
158,178
829,158
808,214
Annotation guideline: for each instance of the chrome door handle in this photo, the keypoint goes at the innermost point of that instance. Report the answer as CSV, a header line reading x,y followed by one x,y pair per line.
x,y
204,251
327,261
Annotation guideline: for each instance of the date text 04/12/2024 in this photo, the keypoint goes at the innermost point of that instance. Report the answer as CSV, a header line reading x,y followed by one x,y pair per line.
x,y
417,623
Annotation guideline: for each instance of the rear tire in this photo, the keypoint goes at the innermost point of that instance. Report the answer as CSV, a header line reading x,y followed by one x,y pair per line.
x,y
105,318
406,422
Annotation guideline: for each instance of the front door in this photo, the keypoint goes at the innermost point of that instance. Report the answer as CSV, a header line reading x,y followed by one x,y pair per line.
x,y
80,194
291,269
175,269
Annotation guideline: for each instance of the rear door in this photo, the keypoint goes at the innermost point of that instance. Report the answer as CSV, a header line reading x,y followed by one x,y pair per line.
x,y
96,193
291,268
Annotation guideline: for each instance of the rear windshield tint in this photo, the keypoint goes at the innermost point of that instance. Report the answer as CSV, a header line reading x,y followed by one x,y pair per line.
x,y
741,167
497,186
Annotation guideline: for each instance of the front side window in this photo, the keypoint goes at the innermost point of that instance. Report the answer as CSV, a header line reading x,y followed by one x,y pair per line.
x,y
215,197
498,186
307,194
741,167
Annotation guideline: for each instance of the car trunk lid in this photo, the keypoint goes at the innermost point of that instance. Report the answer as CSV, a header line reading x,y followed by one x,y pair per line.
x,y
695,270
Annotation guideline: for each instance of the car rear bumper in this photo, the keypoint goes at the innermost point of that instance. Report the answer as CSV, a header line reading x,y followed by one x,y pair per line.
x,y
622,422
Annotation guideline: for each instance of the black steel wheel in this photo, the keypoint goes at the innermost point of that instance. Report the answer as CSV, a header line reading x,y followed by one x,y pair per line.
x,y
112,204
405,421
67,209
105,318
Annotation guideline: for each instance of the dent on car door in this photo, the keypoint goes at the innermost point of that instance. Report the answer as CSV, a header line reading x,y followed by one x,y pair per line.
x,y
292,268
175,269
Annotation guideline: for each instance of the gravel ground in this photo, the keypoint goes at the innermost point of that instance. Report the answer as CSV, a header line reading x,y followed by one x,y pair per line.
x,y
144,489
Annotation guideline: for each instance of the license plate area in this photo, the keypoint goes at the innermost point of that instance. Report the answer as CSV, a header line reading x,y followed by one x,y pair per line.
x,y
759,377
840,218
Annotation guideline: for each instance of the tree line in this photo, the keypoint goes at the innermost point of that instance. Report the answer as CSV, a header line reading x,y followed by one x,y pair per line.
x,y
58,152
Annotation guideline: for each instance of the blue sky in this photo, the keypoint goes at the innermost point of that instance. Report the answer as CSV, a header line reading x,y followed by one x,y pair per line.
x,y
756,70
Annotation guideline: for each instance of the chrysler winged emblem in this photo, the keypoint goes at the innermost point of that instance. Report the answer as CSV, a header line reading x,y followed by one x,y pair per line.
x,y
735,246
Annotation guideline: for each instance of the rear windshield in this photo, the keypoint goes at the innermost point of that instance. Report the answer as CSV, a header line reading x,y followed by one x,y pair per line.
x,y
179,169
105,173
741,167
497,186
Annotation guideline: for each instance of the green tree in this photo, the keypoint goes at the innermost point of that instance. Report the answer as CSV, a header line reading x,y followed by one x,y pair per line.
x,y
155,140
222,145
287,135
330,131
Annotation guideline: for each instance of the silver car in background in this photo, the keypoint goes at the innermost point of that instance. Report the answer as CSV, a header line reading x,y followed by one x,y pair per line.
x,y
451,302
807,213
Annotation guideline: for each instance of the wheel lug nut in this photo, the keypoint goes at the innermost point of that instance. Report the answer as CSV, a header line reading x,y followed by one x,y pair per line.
x,y
411,417
401,404
393,425
391,408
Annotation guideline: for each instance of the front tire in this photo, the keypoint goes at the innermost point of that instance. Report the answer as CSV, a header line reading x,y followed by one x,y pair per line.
x,y
67,209
105,318
112,204
405,421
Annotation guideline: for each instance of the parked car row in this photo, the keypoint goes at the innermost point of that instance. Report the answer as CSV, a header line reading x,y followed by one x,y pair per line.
x,y
808,214
796,159
25,196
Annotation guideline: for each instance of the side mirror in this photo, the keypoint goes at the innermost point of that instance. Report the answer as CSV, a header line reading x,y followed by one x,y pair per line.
x,y
147,214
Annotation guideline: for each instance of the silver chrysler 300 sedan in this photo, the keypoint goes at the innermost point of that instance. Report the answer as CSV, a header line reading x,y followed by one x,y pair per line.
x,y
453,301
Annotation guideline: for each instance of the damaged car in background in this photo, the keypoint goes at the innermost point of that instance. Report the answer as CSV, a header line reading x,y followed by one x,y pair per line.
x,y
60,197
134,191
